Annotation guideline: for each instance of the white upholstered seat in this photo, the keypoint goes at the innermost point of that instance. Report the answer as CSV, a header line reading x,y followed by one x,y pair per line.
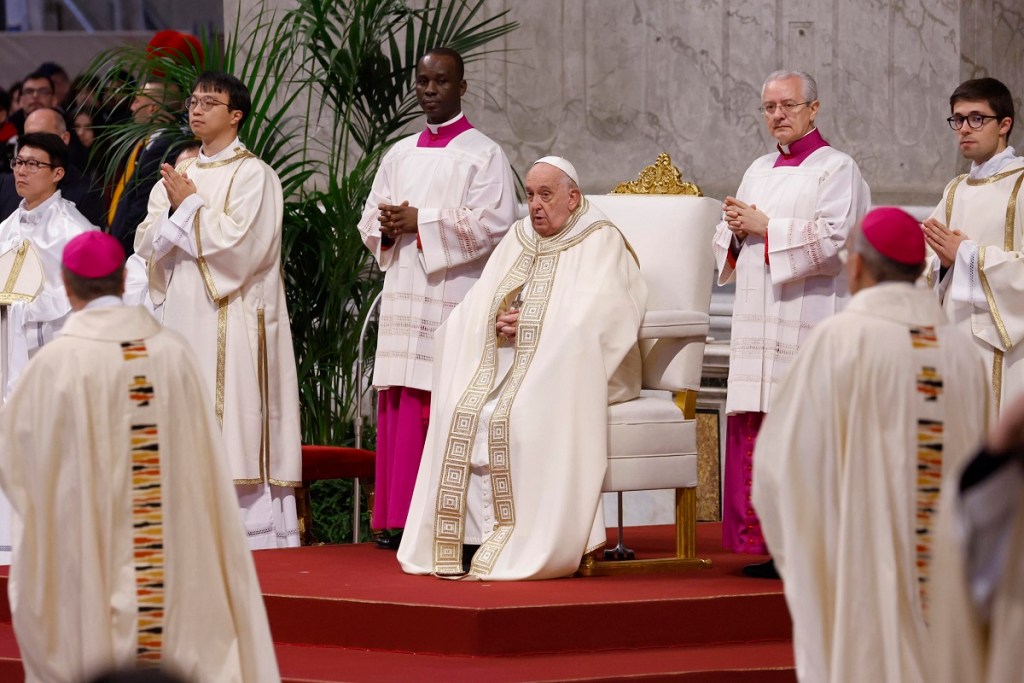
x,y
653,439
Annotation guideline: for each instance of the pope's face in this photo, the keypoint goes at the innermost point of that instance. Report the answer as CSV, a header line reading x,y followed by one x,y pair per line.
x,y
980,145
438,88
550,199
784,95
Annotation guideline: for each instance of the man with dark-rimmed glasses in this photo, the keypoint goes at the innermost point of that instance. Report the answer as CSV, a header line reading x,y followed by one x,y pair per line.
x,y
43,223
976,233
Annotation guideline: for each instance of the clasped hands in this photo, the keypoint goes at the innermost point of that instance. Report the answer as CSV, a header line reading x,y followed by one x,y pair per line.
x,y
505,324
943,241
395,220
178,185
744,219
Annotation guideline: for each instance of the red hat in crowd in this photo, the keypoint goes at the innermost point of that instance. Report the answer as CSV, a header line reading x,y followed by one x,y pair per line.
x,y
178,47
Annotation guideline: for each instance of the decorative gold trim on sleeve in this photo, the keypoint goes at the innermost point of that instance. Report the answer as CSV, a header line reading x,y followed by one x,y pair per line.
x,y
222,353
661,177
282,482
247,482
998,319
204,269
997,377
262,374
1011,215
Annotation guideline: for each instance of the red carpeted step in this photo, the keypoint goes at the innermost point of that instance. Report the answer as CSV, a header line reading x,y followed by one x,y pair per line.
x,y
10,658
360,598
753,663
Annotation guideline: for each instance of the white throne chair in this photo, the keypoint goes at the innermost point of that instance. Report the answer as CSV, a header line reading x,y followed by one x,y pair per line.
x,y
652,440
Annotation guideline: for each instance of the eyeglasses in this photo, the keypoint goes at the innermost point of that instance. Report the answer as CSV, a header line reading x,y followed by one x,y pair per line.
x,y
31,165
770,108
975,121
34,92
204,103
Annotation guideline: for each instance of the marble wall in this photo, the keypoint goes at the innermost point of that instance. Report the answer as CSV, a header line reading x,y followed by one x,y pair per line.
x,y
609,84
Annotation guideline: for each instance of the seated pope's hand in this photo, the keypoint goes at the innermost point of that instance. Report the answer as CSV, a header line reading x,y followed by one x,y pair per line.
x,y
505,324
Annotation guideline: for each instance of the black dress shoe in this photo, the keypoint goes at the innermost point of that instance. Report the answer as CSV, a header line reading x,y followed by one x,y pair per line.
x,y
389,541
468,551
762,570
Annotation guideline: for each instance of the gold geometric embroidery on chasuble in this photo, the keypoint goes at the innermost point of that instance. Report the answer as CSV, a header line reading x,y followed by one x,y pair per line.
x,y
534,270
147,512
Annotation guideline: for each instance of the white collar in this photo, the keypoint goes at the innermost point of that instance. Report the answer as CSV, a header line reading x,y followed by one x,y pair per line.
x,y
226,153
785,148
994,165
104,301
434,127
32,216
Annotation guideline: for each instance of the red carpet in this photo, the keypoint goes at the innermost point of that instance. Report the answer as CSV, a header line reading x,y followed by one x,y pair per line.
x,y
349,613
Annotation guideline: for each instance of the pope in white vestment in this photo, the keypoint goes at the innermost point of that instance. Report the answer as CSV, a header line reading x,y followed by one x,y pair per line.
x,y
459,183
517,447
788,279
217,272
130,548
849,464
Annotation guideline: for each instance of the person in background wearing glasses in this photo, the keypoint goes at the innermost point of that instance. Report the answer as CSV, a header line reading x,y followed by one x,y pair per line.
x,y
779,240
37,91
47,221
212,243
976,232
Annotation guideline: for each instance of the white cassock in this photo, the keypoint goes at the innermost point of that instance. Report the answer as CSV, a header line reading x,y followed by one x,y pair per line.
x,y
129,543
847,473
48,227
978,626
983,293
215,265
466,199
517,445
811,209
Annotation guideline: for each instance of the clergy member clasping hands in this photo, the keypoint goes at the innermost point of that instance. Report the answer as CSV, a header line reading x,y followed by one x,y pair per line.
x,y
394,220
178,186
744,219
505,324
943,241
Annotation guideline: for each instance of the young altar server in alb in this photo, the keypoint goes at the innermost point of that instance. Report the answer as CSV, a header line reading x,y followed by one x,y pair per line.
x,y
882,400
977,233
441,201
779,240
129,545
212,243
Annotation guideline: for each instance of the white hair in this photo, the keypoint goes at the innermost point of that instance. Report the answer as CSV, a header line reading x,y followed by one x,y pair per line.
x,y
810,88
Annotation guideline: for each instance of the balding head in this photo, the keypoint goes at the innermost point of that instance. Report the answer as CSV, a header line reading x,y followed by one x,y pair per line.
x,y
48,120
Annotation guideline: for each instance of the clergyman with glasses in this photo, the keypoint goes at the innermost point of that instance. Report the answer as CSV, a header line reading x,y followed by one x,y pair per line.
x,y
47,222
976,233
212,243
780,240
